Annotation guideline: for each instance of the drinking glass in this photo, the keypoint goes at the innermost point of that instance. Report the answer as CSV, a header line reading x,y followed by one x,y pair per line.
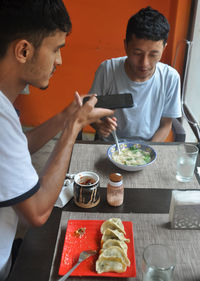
x,y
158,263
186,161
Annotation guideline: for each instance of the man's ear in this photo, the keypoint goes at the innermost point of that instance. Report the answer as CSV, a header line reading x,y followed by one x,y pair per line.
x,y
23,50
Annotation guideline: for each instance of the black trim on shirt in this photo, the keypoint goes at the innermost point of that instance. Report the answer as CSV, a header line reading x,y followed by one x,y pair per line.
x,y
22,197
18,112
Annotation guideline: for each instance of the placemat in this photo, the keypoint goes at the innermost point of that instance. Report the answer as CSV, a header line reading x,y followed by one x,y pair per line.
x,y
147,229
161,174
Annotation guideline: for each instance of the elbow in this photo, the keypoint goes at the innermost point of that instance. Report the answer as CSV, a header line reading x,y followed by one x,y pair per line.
x,y
38,221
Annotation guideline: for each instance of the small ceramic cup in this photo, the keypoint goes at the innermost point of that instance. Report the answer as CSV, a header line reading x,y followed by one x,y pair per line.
x,y
86,189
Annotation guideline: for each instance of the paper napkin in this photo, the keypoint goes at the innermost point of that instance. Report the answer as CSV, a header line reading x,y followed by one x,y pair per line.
x,y
66,194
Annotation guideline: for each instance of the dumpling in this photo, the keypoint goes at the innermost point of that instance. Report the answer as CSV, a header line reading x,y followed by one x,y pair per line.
x,y
110,264
113,234
115,251
113,223
119,223
114,242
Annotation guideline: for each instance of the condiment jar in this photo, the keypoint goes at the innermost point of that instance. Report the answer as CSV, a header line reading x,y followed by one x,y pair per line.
x,y
115,190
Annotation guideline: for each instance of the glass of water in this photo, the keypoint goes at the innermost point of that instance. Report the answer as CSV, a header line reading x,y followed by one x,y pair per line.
x,y
186,161
158,263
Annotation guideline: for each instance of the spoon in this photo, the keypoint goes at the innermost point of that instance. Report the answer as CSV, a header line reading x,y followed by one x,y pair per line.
x,y
116,141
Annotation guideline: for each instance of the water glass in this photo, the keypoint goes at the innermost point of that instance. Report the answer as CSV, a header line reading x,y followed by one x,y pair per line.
x,y
158,263
186,161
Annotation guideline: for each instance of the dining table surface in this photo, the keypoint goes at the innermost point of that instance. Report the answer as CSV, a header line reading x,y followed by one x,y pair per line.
x,y
147,198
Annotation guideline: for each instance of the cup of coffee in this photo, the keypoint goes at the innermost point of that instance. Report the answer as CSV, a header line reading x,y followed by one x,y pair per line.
x,y
86,189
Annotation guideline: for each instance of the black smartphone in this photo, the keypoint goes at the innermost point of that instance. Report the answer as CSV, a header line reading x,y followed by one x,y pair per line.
x,y
113,101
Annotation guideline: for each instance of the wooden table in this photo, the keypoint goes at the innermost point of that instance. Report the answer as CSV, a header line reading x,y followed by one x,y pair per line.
x,y
147,207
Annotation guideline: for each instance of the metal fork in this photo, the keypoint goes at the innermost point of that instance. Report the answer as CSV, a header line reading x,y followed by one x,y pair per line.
x,y
83,256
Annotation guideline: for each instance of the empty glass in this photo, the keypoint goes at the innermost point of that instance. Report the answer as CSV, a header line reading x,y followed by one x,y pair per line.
x,y
158,263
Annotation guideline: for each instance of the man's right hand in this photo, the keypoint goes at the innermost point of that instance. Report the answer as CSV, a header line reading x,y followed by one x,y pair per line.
x,y
81,115
105,126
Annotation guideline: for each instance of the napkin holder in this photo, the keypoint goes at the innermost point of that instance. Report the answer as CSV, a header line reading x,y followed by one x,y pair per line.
x,y
185,209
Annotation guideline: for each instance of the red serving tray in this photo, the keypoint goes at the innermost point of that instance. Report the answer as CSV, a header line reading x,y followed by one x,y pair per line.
x,y
90,240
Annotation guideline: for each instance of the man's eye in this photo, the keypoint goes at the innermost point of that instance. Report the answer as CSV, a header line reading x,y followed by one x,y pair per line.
x,y
153,55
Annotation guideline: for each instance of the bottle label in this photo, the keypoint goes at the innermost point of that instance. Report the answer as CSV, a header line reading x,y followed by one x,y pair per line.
x,y
118,183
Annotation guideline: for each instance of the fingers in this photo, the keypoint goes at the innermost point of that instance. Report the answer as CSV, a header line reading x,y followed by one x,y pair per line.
x,y
107,125
87,113
78,99
111,122
96,113
93,100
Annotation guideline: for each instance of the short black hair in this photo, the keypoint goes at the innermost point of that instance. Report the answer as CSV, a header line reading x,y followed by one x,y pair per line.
x,y
148,24
32,20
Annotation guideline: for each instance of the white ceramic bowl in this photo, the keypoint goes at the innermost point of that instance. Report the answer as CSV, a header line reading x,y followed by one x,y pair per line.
x,y
124,145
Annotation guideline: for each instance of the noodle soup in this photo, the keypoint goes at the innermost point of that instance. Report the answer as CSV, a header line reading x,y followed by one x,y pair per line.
x,y
132,156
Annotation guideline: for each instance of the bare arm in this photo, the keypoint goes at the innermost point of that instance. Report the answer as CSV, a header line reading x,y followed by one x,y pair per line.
x,y
163,131
38,207
45,131
40,135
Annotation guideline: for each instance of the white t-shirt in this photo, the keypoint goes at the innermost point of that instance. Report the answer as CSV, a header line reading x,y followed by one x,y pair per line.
x,y
153,99
18,178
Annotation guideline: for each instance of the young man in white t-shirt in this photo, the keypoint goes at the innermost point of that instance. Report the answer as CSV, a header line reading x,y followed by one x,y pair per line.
x,y
155,86
32,33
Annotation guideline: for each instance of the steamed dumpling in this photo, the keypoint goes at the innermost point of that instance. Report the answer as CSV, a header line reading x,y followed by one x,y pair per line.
x,y
114,242
113,254
113,234
113,223
115,251
110,264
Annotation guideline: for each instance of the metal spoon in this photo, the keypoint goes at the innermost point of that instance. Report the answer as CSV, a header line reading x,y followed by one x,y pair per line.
x,y
116,141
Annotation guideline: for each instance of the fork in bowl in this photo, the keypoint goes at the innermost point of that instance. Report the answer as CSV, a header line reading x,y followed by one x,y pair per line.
x,y
116,141
83,256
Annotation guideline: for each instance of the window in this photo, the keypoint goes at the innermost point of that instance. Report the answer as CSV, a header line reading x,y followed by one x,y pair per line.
x,y
191,83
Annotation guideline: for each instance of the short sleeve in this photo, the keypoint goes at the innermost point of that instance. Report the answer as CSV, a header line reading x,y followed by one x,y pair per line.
x,y
17,173
172,105
100,84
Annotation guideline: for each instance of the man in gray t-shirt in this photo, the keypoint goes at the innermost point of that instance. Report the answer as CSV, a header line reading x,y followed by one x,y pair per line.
x,y
155,86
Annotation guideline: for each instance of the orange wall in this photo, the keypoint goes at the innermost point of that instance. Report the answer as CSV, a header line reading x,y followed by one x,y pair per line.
x,y
98,30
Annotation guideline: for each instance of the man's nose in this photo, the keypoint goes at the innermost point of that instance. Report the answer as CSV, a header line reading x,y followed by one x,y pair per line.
x,y
58,60
144,60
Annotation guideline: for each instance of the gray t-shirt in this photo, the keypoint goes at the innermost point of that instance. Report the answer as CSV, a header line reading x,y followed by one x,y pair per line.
x,y
153,99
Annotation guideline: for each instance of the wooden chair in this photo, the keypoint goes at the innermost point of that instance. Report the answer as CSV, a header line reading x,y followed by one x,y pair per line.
x,y
177,133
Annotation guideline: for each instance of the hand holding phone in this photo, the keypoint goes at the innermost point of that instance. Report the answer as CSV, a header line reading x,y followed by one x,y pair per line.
x,y
113,101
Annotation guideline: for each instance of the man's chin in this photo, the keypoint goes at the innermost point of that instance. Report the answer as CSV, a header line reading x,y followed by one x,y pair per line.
x,y
145,75
44,88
